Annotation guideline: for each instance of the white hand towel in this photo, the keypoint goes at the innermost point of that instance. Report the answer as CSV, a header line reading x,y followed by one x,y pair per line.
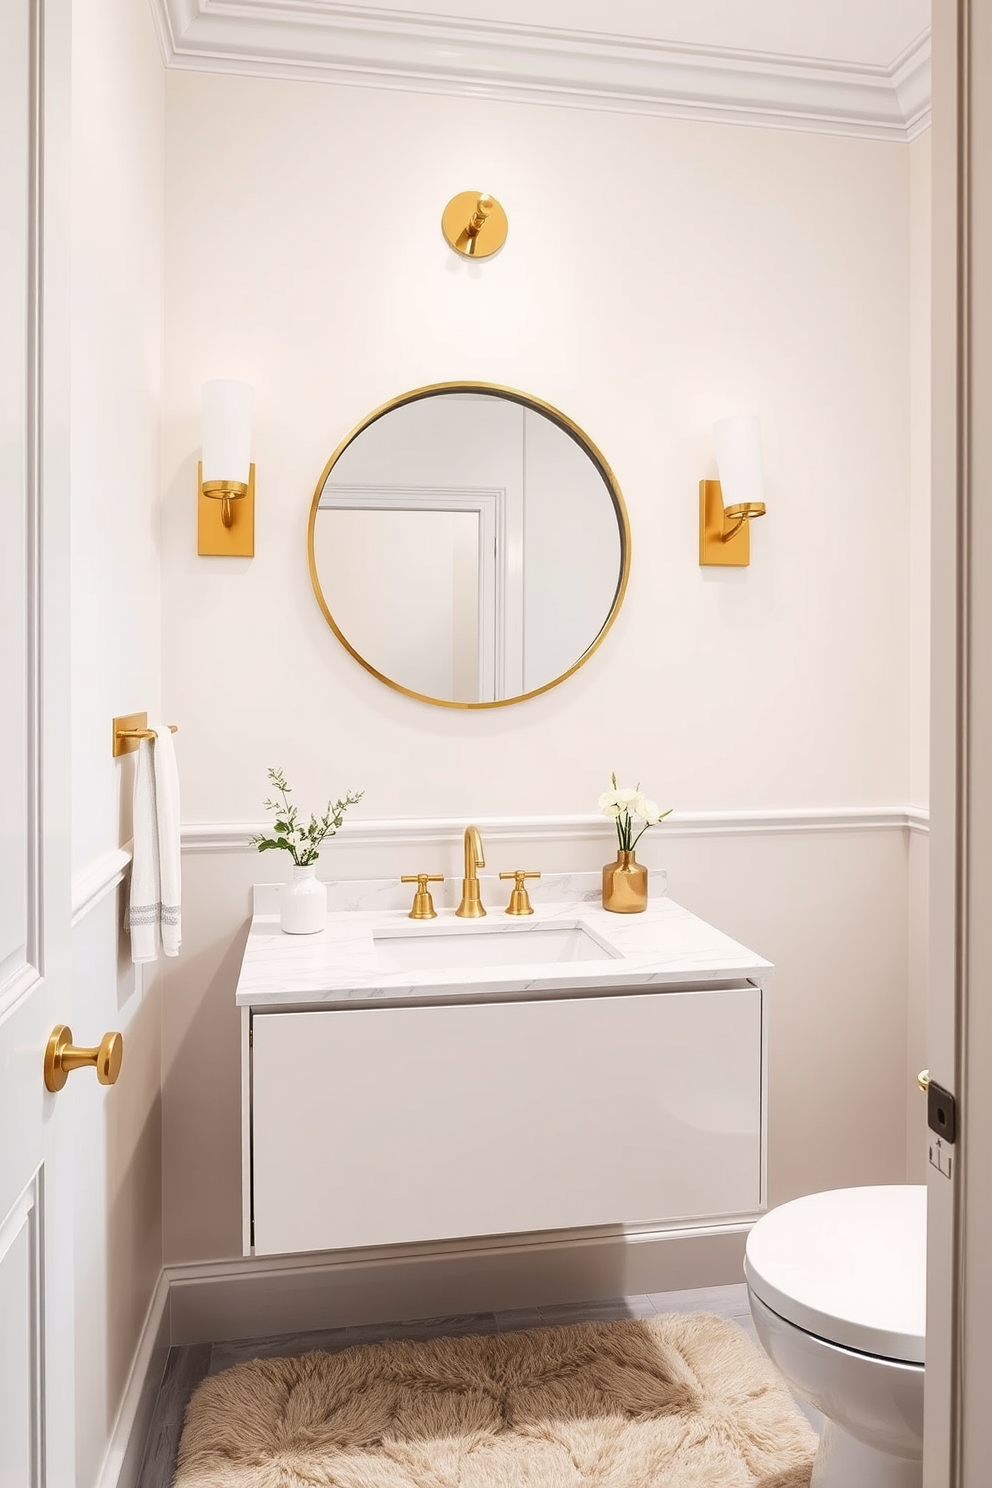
x,y
156,889
169,859
143,911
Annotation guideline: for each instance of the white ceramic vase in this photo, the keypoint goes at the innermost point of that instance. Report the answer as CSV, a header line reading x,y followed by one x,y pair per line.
x,y
303,902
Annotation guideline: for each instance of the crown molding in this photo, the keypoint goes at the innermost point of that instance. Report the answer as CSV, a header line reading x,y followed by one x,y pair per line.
x,y
911,79
364,46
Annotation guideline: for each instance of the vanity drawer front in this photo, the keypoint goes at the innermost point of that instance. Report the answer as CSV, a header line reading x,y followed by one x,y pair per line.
x,y
379,1126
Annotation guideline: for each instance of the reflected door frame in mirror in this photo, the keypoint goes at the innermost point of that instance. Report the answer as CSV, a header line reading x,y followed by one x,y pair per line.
x,y
503,597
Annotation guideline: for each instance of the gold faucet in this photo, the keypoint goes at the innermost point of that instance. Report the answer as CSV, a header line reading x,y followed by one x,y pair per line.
x,y
472,907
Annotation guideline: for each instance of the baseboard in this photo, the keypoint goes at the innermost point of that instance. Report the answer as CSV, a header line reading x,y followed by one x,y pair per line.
x,y
122,1463
263,1297
255,1298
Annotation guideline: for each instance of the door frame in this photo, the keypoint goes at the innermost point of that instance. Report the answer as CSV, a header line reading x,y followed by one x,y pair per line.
x,y
35,982
501,590
958,1424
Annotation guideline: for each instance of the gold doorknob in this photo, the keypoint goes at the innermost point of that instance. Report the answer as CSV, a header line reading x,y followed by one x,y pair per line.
x,y
62,1057
923,1080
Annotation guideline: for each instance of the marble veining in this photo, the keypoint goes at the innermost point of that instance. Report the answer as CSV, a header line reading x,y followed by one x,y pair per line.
x,y
666,945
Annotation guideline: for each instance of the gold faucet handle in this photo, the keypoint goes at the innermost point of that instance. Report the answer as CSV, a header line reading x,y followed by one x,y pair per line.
x,y
519,898
423,904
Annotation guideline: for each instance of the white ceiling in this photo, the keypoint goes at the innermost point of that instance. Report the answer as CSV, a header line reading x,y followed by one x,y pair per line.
x,y
856,67
873,32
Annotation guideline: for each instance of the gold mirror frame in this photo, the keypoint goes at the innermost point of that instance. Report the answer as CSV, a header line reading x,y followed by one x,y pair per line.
x,y
568,427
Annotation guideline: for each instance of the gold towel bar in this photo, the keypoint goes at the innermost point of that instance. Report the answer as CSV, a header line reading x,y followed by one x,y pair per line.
x,y
130,729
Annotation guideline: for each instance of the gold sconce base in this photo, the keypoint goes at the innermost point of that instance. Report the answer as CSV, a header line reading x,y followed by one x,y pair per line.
x,y
225,517
724,532
474,224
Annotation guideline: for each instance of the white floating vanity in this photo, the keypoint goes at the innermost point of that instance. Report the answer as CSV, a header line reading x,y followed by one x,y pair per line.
x,y
406,1081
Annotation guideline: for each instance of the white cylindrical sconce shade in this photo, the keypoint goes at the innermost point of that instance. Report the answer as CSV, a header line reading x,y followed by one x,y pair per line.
x,y
738,457
226,430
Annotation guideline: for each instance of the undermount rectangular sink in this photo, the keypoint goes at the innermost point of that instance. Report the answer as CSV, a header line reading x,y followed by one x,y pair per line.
x,y
482,947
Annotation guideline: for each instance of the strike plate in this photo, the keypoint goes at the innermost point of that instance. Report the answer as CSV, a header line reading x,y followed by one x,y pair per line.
x,y
942,1112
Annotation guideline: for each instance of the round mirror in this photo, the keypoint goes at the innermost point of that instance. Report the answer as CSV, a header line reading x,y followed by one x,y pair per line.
x,y
468,545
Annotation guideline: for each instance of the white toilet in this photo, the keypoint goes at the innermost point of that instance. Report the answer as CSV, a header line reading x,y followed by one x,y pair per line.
x,y
837,1288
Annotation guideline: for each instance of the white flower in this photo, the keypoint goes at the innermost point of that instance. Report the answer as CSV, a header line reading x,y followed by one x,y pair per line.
x,y
623,803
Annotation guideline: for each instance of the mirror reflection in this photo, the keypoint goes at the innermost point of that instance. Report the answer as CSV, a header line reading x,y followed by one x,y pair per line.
x,y
468,545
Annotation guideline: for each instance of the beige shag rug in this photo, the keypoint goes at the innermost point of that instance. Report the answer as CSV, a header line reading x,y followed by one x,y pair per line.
x,y
680,1401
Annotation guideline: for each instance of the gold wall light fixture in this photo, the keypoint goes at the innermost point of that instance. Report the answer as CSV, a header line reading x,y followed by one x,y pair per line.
x,y
724,529
225,522
474,224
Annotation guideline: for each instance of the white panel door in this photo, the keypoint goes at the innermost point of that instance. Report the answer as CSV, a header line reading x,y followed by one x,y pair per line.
x,y
384,1125
36,1340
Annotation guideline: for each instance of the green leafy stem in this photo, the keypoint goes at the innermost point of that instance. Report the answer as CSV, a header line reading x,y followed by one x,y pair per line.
x,y
301,839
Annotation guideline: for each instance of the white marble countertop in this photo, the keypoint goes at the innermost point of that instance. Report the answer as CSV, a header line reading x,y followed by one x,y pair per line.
x,y
340,965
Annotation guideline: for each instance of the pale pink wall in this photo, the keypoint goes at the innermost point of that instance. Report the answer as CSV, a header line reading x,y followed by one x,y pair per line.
x,y
829,908
918,989
768,271
701,270
919,643
919,474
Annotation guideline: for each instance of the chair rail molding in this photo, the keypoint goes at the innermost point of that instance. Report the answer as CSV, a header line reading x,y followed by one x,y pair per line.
x,y
206,837
95,881
365,46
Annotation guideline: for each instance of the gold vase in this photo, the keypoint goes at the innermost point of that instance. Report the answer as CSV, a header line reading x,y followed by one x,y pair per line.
x,y
625,885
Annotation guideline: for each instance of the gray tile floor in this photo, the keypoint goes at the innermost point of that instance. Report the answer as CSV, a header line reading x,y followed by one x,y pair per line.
x,y
188,1365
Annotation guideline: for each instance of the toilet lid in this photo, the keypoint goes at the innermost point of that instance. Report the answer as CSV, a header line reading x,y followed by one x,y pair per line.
x,y
849,1265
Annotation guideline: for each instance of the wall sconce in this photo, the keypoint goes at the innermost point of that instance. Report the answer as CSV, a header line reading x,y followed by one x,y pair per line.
x,y
225,525
474,224
724,536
